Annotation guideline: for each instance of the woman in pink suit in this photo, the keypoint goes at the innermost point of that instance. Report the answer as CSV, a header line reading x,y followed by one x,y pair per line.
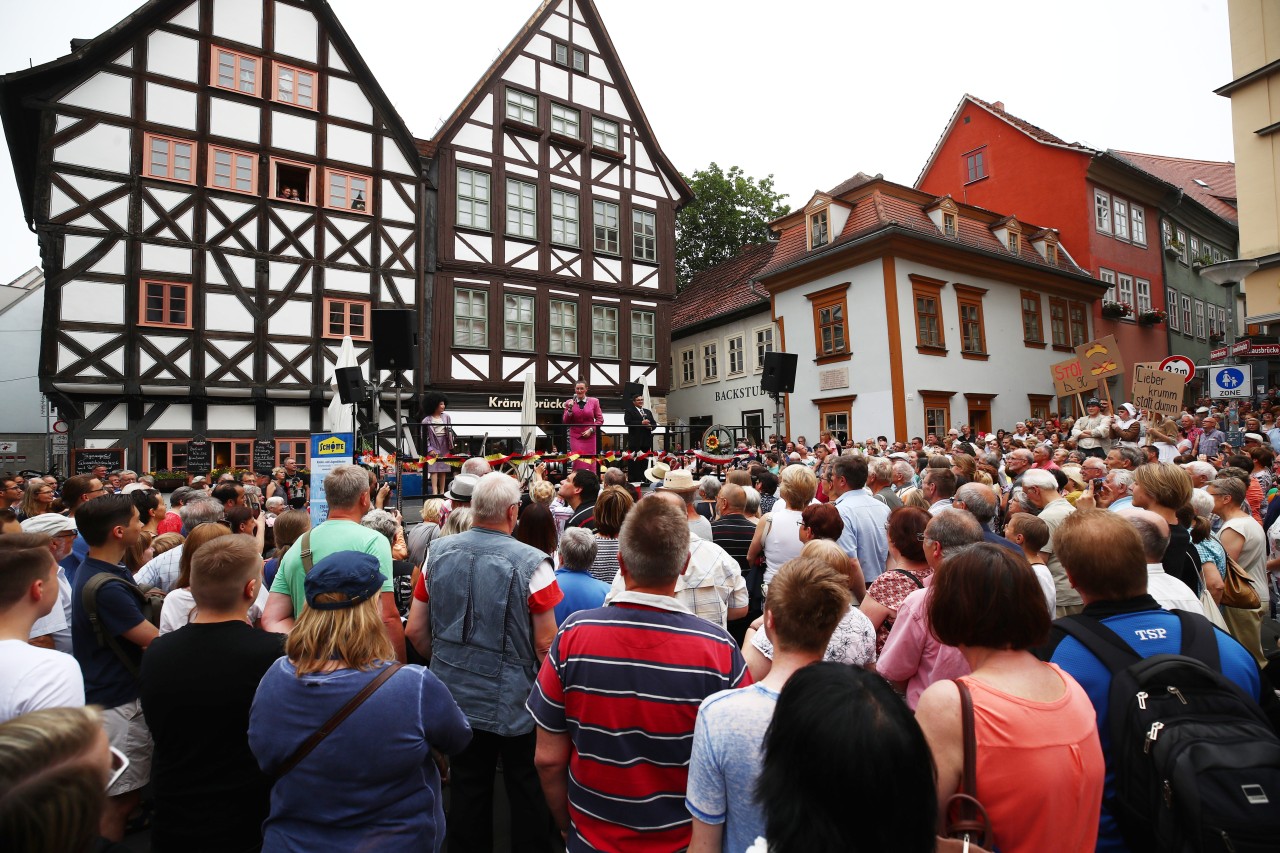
x,y
583,415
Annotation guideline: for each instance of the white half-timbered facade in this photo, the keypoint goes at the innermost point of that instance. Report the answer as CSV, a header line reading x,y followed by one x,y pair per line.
x,y
221,192
556,214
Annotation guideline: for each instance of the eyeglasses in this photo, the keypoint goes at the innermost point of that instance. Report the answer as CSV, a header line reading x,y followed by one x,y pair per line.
x,y
119,764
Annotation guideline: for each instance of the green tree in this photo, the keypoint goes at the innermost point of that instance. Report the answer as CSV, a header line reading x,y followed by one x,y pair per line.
x,y
730,209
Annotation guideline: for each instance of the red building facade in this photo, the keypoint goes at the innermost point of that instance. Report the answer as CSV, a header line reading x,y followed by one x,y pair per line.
x,y
1103,208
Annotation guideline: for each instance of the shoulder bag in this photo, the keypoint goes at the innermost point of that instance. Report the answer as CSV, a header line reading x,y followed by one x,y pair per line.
x,y
966,818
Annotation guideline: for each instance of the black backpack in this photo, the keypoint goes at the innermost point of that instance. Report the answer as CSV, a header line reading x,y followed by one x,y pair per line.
x,y
1196,764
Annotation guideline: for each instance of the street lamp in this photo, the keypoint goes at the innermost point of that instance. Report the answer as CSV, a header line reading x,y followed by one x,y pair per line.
x,y
1227,274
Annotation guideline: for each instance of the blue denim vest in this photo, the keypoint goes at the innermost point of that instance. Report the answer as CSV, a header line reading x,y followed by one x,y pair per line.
x,y
481,636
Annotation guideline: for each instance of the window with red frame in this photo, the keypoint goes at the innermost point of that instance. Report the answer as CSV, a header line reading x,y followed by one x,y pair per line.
x,y
237,72
169,159
346,191
166,304
344,317
296,449
232,170
295,86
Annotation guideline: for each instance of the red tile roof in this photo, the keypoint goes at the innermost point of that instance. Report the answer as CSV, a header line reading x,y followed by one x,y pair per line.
x,y
893,205
1219,196
1025,126
723,289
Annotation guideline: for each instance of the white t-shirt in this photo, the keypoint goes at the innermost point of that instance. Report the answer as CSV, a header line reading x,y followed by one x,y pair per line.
x,y
58,620
1045,577
32,678
179,604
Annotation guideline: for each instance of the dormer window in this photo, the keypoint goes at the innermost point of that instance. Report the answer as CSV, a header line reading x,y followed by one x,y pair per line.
x,y
1015,243
1051,253
949,224
818,233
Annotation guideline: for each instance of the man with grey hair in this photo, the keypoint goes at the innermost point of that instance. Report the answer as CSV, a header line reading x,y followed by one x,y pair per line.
x,y
1201,473
577,549
645,650
1169,592
1042,491
490,620
904,475
346,490
980,501
1117,490
1125,458
880,481
476,465
162,572
912,655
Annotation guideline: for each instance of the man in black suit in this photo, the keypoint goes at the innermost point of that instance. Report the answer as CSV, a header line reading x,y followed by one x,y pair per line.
x,y
640,423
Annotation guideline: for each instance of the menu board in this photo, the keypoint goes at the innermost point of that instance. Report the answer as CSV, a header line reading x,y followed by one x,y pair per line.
x,y
84,460
264,455
199,458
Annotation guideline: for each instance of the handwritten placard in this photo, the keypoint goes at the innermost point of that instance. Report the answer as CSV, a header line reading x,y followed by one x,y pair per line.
x,y
1069,378
1157,390
1101,358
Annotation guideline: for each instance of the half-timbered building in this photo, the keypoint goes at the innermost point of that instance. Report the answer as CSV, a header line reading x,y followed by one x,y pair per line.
x,y
556,227
221,192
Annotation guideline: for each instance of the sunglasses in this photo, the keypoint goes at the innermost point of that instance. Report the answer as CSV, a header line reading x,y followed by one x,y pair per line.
x,y
119,764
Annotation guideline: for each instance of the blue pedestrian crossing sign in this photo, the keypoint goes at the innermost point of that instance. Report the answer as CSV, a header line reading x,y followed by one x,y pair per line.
x,y
1234,380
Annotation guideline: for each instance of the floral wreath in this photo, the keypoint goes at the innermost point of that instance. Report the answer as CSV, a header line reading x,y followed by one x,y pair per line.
x,y
711,443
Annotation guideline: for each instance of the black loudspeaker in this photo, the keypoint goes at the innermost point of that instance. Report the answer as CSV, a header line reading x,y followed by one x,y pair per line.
x,y
393,338
351,387
779,373
632,390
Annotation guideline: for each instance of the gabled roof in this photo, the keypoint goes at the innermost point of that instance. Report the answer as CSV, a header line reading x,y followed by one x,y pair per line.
x,y
1210,182
722,289
605,44
1039,134
883,206
22,121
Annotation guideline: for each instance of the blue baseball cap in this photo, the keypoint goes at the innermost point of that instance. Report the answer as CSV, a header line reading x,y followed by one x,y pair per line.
x,y
354,573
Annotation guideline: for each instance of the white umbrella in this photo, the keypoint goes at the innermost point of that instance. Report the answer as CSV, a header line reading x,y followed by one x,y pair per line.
x,y
528,423
339,414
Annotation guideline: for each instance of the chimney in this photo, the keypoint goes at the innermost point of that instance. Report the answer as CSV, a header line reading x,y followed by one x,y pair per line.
x,y
999,105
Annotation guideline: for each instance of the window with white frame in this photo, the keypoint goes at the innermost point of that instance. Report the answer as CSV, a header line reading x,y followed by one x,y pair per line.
x,y
1182,241
1194,248
562,337
1200,333
643,337
1124,286
1138,219
710,361
295,86
818,232
1186,314
517,322
644,235
1166,230
1109,277
566,121
604,331
580,61
473,199
1171,307
522,209
737,355
605,219
604,133
1213,322
346,191
1102,211
522,107
688,367
564,218
1222,319
1120,218
1144,294
470,317
764,344
562,54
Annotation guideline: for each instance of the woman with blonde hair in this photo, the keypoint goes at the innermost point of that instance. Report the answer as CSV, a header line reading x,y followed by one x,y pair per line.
x,y
914,497
55,766
777,536
338,659
165,542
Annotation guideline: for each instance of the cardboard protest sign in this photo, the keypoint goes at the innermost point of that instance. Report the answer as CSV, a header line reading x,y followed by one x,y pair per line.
x,y
1069,378
1101,358
1157,390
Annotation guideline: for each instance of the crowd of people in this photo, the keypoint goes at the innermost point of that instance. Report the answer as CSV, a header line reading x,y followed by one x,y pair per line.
x,y
808,648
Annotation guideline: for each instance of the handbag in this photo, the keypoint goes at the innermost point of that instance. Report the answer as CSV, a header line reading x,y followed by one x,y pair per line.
x,y
336,720
1237,590
967,820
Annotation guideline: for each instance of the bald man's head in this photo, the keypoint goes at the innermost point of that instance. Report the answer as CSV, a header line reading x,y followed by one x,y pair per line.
x,y
1152,530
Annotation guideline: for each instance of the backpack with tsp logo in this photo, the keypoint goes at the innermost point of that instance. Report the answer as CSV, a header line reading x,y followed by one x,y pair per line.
x,y
1196,764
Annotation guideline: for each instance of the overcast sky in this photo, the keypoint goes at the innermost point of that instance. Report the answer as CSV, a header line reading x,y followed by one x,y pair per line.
x,y
811,91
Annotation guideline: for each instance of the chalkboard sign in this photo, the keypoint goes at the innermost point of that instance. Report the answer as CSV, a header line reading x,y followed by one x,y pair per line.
x,y
264,455
84,460
198,457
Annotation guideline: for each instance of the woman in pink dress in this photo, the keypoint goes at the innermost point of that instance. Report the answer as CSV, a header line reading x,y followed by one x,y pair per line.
x,y
583,415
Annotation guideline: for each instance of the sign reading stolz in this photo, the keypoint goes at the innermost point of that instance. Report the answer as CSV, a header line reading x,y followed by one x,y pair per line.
x,y
328,451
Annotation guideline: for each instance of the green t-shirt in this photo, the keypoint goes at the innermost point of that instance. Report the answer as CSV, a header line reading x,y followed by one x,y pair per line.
x,y
329,538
